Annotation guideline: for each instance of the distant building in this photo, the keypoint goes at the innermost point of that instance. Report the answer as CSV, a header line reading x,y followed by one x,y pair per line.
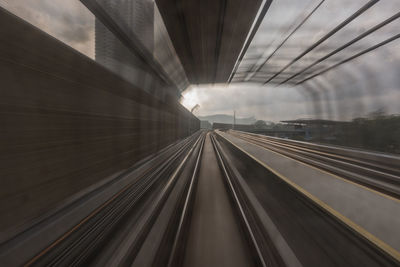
x,y
223,118
137,16
238,127
317,129
205,125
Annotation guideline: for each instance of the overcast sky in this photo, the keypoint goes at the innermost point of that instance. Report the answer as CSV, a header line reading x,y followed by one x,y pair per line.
x,y
354,89
351,90
67,20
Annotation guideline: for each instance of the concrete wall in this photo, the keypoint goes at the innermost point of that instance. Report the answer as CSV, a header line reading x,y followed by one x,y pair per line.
x,y
66,122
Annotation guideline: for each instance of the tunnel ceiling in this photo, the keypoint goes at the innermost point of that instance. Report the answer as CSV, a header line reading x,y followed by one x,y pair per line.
x,y
208,35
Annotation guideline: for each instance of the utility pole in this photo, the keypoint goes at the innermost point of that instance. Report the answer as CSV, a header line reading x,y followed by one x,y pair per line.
x,y
234,119
190,118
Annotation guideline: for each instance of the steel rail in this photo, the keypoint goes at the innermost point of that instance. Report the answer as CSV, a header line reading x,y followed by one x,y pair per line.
x,y
385,183
135,239
330,157
274,247
374,158
375,167
140,184
260,259
322,154
179,236
374,248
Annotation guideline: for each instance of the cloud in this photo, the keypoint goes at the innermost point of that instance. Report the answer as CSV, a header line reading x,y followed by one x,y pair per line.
x,y
352,90
79,34
247,99
68,21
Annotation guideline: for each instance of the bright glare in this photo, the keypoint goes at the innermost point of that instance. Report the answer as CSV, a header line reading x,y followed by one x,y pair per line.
x,y
190,98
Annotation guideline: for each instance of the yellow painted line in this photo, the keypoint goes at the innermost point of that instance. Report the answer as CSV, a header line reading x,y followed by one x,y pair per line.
x,y
299,148
307,149
376,241
330,174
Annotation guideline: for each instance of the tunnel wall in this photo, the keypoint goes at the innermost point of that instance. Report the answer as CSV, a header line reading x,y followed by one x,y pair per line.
x,y
66,122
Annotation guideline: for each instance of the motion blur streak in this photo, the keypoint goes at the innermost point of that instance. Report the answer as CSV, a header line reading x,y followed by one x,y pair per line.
x,y
199,133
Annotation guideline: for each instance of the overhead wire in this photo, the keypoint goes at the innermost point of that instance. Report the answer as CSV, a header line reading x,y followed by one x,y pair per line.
x,y
389,40
326,36
287,37
256,24
358,38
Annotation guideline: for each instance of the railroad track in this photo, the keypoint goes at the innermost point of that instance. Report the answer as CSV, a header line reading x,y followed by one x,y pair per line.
x,y
264,251
147,222
177,254
153,220
134,204
375,171
304,232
